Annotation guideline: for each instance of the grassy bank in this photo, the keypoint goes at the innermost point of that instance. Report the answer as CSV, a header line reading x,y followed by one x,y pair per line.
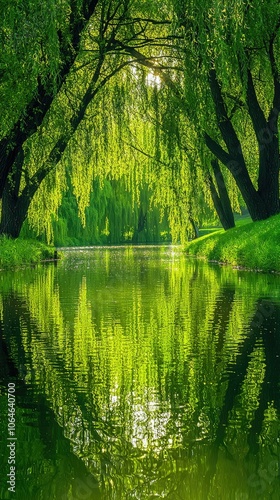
x,y
18,252
255,245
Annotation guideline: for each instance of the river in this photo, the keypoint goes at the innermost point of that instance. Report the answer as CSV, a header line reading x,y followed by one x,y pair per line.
x,y
139,373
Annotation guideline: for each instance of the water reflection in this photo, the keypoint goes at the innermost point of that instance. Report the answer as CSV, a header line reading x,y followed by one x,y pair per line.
x,y
141,374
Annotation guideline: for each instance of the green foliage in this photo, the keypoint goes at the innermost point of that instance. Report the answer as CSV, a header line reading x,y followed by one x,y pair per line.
x,y
253,245
29,37
129,98
113,216
22,251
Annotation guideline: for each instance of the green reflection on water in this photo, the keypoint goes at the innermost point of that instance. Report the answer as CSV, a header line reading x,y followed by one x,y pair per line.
x,y
142,375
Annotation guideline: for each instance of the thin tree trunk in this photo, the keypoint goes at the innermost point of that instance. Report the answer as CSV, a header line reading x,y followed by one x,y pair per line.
x,y
223,194
195,228
220,197
14,212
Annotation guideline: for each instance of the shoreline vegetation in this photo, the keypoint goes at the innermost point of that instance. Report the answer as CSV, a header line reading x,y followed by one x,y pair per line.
x,y
18,252
253,246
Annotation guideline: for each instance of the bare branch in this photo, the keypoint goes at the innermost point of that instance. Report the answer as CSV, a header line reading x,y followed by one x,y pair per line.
x,y
146,61
151,157
148,20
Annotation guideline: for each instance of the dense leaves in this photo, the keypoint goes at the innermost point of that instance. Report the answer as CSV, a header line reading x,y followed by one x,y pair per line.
x,y
148,92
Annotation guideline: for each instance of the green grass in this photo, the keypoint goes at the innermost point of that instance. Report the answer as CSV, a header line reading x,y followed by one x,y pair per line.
x,y
240,220
17,252
254,245
208,230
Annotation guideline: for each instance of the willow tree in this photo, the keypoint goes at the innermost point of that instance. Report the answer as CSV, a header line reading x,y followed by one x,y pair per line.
x,y
219,62
194,183
232,90
77,51
179,180
41,41
177,148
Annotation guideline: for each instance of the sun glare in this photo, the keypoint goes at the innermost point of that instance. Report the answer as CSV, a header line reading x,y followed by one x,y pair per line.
x,y
153,79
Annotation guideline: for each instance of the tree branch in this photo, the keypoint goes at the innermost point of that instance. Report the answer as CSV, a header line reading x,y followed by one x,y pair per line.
x,y
148,20
40,104
216,149
255,111
275,76
151,157
226,128
59,148
146,61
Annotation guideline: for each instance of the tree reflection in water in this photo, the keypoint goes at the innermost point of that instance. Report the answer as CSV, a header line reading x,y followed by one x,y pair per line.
x,y
143,375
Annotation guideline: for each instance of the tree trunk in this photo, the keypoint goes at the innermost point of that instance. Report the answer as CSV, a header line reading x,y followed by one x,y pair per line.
x,y
268,181
39,105
14,212
266,131
264,202
195,228
223,194
220,198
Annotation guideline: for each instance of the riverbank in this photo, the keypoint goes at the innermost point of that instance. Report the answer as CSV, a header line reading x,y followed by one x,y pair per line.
x,y
252,246
19,252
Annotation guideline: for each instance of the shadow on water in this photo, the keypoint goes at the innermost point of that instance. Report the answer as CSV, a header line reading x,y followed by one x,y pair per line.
x,y
263,333
46,465
143,378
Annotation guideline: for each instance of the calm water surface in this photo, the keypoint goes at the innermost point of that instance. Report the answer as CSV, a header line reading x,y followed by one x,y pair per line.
x,y
140,374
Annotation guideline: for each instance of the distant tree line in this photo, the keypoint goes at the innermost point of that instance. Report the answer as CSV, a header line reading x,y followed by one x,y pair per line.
x,y
112,217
